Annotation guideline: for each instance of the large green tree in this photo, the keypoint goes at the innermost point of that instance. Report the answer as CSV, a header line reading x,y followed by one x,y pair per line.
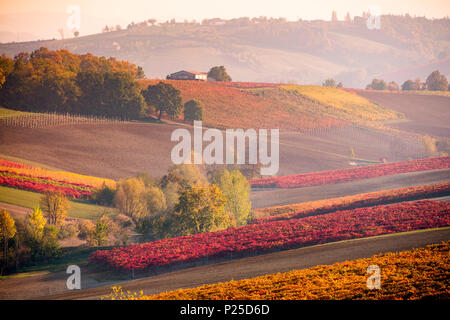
x,y
165,98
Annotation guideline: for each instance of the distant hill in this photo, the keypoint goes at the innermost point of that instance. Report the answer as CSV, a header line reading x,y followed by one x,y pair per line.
x,y
420,71
270,50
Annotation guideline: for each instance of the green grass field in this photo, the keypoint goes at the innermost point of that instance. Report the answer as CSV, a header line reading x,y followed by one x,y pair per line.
x,y
30,199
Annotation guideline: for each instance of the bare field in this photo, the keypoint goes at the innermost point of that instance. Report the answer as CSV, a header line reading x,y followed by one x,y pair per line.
x,y
429,114
121,150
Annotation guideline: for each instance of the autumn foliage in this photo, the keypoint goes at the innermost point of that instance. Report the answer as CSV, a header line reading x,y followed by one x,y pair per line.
x,y
414,274
303,209
226,106
351,174
278,235
33,178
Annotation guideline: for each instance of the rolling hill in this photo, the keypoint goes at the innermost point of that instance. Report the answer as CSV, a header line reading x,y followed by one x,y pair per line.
x,y
270,50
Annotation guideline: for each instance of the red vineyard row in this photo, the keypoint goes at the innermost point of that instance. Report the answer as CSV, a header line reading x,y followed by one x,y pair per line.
x,y
298,210
346,175
278,235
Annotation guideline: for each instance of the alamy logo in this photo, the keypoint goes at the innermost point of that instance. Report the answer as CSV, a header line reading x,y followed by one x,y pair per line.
x,y
373,22
213,153
74,280
374,280
74,19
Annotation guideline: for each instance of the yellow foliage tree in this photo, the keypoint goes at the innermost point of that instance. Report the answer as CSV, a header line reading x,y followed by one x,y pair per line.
x,y
7,231
202,209
56,204
129,198
36,222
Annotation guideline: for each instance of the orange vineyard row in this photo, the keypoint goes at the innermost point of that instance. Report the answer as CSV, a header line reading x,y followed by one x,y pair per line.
x,y
413,274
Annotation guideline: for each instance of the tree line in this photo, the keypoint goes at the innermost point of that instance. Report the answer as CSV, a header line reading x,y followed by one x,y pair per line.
x,y
434,82
66,83
63,82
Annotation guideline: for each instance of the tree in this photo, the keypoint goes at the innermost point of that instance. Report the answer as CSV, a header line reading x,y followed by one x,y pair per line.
x,y
347,17
103,195
101,230
392,86
334,16
49,247
36,223
55,204
114,94
184,175
164,97
193,110
236,190
155,200
409,85
201,209
329,83
59,81
7,231
219,73
129,198
377,84
6,68
436,82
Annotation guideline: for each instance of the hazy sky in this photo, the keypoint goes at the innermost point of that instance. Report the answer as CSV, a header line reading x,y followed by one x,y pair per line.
x,y
125,11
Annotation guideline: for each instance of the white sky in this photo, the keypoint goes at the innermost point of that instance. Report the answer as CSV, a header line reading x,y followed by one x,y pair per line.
x,y
125,11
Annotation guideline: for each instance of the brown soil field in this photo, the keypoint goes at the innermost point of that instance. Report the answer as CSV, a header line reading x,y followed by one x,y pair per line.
x,y
429,114
52,286
121,150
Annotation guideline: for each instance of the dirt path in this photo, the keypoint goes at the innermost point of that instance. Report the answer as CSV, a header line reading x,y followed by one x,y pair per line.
x,y
15,211
274,197
244,268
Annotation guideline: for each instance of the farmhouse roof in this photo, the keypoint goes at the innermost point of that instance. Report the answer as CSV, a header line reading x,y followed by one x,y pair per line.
x,y
193,72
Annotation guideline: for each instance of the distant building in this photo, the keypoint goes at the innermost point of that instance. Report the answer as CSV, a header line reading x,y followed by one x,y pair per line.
x,y
188,75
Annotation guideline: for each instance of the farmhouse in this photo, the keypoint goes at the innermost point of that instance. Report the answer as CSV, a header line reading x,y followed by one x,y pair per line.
x,y
188,75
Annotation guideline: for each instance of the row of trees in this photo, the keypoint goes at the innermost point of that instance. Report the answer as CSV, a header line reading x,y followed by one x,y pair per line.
x,y
62,82
332,83
434,82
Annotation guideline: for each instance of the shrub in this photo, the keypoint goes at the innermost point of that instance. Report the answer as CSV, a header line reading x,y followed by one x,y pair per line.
x,y
104,195
67,231
193,110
